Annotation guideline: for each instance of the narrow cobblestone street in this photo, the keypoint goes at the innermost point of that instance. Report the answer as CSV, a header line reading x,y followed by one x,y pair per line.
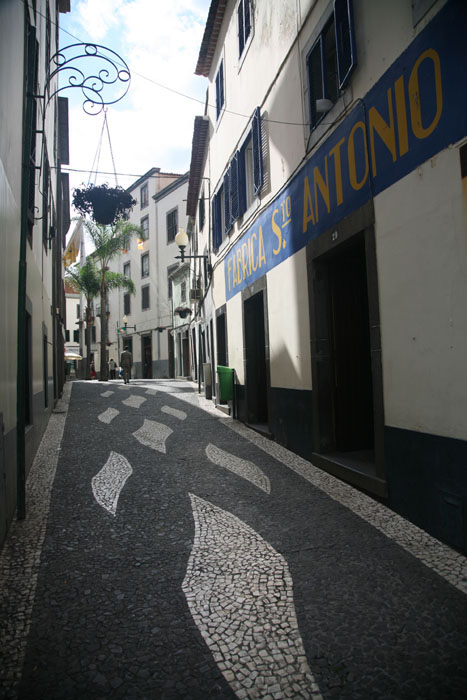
x,y
171,552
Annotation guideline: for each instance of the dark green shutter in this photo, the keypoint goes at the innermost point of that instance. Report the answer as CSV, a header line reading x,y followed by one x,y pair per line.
x,y
241,182
247,24
234,198
345,40
216,221
241,35
257,152
227,219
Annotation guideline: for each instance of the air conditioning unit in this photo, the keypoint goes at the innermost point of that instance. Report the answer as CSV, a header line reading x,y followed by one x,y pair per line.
x,y
195,294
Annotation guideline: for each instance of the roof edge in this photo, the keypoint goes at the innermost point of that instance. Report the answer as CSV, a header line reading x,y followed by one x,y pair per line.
x,y
210,37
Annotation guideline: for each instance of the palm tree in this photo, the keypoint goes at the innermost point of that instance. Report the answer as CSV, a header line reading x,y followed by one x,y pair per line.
x,y
86,279
109,241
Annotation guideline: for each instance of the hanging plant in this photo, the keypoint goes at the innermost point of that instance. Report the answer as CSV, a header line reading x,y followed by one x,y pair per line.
x,y
104,204
182,311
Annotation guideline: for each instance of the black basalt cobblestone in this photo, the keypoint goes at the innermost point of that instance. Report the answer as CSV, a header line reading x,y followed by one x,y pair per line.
x,y
110,618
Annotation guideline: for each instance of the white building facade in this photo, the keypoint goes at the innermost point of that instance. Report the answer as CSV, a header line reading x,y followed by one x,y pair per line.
x,y
333,153
149,261
34,218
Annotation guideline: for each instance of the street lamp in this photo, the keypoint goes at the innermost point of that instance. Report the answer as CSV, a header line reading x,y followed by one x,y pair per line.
x,y
125,324
182,240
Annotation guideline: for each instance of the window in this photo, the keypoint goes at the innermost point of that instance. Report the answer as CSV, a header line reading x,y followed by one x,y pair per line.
x,y
201,212
127,270
218,218
241,185
145,265
78,310
144,196
76,336
463,157
247,158
243,23
126,304
45,202
30,131
126,243
172,225
331,61
45,370
67,336
169,281
183,291
28,414
220,89
93,334
145,227
145,297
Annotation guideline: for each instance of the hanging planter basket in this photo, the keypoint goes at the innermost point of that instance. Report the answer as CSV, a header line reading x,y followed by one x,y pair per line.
x,y
104,204
182,311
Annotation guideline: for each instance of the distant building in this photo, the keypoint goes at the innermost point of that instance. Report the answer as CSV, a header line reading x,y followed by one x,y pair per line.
x,y
73,317
149,260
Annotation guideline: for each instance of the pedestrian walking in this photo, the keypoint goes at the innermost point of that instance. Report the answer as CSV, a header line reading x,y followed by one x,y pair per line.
x,y
126,363
112,368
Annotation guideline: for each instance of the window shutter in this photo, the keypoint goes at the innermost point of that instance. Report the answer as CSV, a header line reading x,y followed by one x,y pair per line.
x,y
222,83
257,154
241,36
234,198
241,182
220,89
227,219
247,12
345,40
216,222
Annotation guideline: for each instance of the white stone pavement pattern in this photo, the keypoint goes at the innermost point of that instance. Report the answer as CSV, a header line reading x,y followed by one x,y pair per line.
x,y
134,401
20,557
108,415
153,434
242,467
240,594
108,483
181,415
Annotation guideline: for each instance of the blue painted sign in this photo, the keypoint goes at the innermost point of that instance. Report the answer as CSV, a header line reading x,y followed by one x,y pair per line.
x,y
416,109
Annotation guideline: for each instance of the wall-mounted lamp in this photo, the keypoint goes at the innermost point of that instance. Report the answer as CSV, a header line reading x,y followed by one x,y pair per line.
x,y
125,325
182,240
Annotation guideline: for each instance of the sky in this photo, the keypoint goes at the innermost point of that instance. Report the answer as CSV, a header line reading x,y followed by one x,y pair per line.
x,y
151,126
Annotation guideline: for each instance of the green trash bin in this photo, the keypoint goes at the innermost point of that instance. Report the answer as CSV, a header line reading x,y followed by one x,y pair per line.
x,y
226,382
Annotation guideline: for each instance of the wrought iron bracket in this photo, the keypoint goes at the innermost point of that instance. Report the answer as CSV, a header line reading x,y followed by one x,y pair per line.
x,y
100,73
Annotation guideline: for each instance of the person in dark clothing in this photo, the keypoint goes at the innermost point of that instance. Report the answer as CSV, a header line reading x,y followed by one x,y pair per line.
x,y
126,363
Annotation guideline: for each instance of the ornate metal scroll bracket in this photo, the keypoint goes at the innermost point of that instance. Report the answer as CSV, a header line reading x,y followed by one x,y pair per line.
x,y
101,74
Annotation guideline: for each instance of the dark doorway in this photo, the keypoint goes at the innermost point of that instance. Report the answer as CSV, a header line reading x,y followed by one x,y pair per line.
x,y
146,354
211,356
255,361
349,336
348,416
171,353
185,356
221,337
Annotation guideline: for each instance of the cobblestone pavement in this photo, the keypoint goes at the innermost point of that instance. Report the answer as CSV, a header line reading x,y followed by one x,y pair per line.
x,y
170,552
